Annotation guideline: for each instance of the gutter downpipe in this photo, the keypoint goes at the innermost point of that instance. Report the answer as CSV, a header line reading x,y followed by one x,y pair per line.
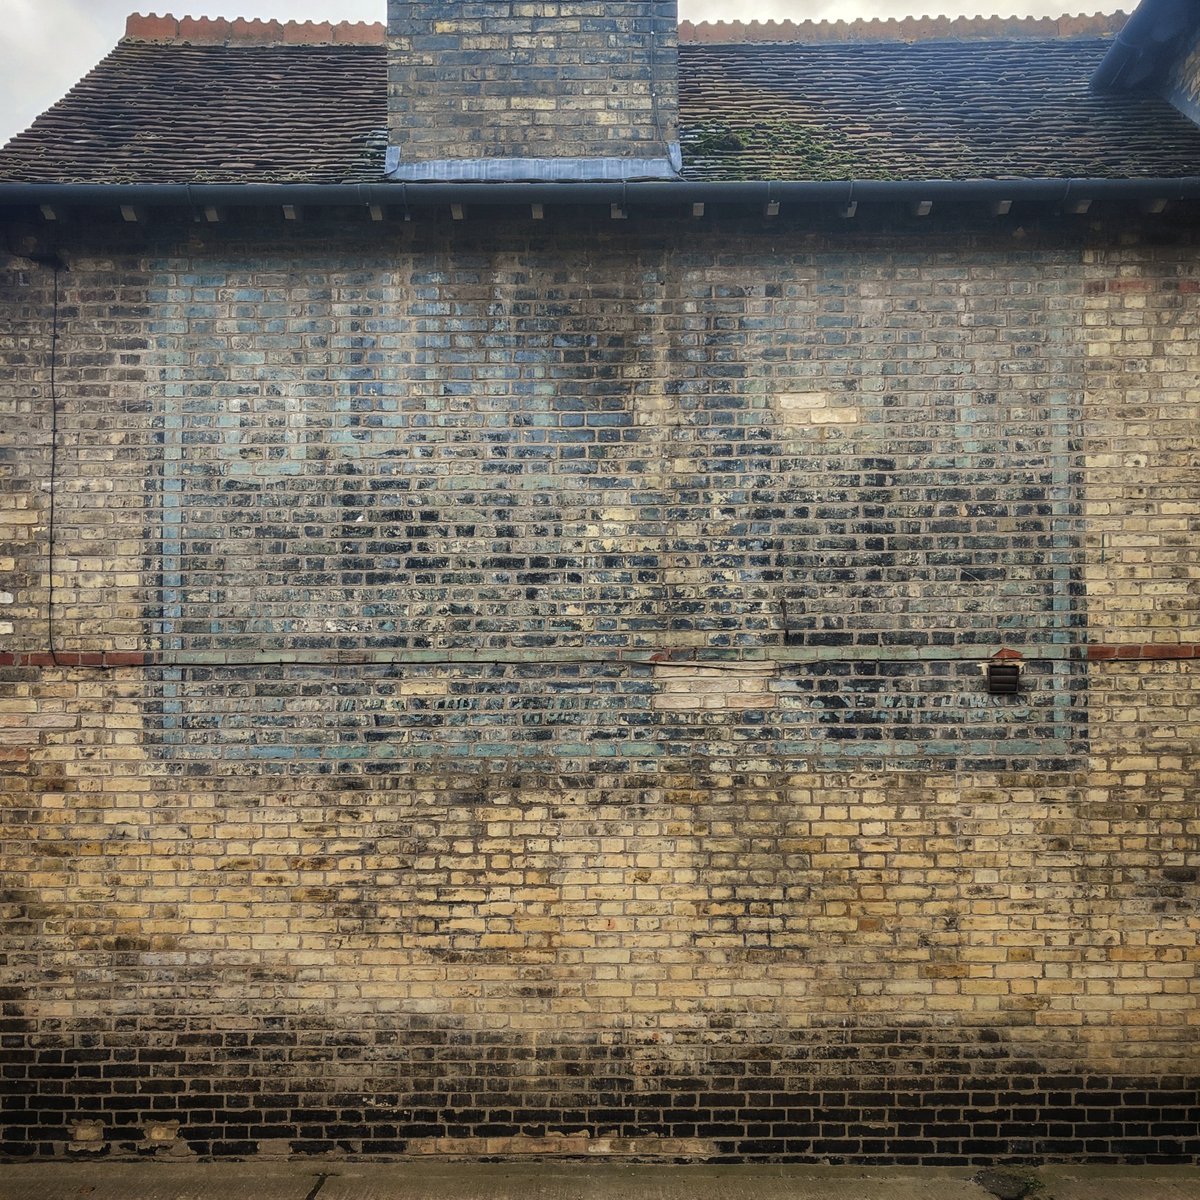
x,y
760,192
1137,39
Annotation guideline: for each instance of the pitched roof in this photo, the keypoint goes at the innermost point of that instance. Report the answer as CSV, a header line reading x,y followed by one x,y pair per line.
x,y
212,113
195,101
925,110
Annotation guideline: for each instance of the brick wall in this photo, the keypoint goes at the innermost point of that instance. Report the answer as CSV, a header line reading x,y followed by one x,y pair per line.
x,y
1140,325
519,691
497,80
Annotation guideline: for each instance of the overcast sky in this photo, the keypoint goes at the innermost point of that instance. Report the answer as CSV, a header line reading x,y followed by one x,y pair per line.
x,y
47,45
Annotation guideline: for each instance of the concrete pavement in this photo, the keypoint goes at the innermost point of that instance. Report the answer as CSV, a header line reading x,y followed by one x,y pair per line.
x,y
316,1179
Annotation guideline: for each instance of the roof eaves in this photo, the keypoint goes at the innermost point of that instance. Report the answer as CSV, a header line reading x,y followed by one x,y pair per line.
x,y
1065,192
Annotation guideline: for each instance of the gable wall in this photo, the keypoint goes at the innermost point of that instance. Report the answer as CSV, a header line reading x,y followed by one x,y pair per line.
x,y
542,709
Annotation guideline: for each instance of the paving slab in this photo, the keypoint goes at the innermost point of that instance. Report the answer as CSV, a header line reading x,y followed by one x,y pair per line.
x,y
1118,1183
587,1182
157,1181
316,1179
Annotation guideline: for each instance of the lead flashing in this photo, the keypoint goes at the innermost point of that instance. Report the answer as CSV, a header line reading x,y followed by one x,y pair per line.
x,y
535,170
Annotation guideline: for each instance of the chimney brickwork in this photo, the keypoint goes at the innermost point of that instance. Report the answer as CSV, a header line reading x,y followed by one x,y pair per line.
x,y
581,89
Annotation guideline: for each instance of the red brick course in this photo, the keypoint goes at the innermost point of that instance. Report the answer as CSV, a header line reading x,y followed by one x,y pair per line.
x,y
1144,651
78,658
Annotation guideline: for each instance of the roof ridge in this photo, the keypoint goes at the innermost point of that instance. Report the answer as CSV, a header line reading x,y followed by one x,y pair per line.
x,y
210,31
219,31
904,29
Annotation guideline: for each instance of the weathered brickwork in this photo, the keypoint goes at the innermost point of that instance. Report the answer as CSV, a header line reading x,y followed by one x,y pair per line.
x,y
1141,324
567,79
550,719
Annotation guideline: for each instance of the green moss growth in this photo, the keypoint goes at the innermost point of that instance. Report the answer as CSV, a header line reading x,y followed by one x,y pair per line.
x,y
777,148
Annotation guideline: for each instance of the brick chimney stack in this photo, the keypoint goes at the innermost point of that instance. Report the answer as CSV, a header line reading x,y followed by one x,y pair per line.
x,y
569,90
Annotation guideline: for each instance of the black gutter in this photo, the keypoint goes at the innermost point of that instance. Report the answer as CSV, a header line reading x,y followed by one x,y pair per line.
x,y
402,195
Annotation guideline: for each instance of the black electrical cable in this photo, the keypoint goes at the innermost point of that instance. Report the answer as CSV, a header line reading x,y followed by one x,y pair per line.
x,y
53,469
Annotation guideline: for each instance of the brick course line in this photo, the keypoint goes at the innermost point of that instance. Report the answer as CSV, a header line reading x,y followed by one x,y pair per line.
x,y
112,659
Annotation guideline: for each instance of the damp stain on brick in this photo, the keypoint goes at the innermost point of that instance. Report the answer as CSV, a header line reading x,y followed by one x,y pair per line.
x,y
832,1092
